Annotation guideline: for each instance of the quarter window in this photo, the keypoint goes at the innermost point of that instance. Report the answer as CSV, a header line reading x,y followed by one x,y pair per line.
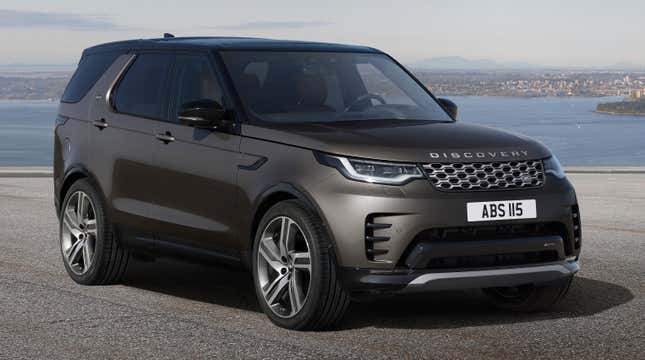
x,y
90,69
140,91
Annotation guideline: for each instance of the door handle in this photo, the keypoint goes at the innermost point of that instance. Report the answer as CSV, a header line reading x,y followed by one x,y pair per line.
x,y
165,137
101,124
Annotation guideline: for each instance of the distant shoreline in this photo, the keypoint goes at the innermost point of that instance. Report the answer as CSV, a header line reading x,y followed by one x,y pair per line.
x,y
618,113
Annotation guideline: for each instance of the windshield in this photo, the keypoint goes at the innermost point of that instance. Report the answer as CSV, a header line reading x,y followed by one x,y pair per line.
x,y
327,87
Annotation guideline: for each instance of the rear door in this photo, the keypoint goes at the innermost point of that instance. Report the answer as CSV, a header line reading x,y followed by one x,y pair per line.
x,y
196,187
123,143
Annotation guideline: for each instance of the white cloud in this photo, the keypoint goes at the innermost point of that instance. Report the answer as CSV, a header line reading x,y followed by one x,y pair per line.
x,y
31,19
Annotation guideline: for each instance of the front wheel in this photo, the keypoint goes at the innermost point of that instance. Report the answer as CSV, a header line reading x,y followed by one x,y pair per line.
x,y
294,269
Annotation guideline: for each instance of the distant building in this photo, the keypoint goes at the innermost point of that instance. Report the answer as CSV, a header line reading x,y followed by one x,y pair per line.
x,y
637,93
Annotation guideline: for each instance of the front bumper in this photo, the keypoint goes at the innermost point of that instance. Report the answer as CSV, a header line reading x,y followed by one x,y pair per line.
x,y
377,226
403,280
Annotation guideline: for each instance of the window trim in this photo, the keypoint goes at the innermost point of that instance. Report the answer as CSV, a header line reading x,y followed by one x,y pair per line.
x,y
117,79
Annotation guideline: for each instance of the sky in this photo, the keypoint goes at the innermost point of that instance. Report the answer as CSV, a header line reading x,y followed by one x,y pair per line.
x,y
550,33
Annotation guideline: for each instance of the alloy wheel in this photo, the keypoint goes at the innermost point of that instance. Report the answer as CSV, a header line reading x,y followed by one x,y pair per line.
x,y
79,232
284,266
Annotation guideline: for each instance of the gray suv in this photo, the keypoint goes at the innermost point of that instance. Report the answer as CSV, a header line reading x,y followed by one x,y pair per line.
x,y
328,170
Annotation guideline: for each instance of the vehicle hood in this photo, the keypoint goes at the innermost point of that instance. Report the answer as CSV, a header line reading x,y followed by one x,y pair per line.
x,y
404,140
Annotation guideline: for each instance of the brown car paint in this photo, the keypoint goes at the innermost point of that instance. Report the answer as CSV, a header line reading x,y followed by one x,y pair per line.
x,y
206,190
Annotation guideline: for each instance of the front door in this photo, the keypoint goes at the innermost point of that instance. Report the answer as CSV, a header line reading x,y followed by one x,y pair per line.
x,y
196,187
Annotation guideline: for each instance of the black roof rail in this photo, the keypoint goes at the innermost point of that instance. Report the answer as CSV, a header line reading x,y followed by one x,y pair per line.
x,y
222,43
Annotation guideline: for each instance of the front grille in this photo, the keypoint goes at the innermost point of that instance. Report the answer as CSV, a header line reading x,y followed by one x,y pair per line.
x,y
485,176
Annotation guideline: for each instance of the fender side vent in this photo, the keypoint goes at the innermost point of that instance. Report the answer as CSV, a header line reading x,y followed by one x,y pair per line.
x,y
577,226
375,237
375,252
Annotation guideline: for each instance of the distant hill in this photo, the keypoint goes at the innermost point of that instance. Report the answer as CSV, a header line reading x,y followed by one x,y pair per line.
x,y
460,63
628,66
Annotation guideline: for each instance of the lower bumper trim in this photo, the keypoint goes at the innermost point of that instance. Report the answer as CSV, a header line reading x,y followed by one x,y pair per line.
x,y
493,277
422,281
426,278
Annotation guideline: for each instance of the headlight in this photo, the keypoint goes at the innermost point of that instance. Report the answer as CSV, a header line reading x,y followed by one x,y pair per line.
x,y
552,166
378,172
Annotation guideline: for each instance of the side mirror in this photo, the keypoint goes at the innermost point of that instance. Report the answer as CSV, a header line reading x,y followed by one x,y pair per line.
x,y
203,114
449,106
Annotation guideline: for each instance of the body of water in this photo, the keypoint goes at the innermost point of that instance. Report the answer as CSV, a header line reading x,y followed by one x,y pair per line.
x,y
577,135
568,126
27,133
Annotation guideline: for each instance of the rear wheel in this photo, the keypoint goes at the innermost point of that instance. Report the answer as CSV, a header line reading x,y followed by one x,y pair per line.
x,y
294,269
528,298
90,251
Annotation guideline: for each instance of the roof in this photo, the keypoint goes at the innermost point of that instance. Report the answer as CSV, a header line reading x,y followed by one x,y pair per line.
x,y
225,43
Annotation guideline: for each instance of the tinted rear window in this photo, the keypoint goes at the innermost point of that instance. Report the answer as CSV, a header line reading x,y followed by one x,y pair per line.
x,y
89,70
141,90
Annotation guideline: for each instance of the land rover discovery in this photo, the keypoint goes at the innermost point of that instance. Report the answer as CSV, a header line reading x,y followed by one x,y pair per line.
x,y
328,170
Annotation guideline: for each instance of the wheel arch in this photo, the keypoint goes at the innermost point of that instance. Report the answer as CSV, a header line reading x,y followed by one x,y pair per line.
x,y
269,198
72,175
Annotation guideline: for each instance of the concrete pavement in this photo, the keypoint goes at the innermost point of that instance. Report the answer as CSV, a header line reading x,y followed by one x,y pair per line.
x,y
170,309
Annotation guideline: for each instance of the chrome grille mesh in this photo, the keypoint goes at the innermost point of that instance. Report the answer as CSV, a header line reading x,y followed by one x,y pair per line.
x,y
486,176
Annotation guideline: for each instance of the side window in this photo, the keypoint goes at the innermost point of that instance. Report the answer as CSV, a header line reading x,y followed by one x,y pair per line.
x,y
140,91
89,70
194,80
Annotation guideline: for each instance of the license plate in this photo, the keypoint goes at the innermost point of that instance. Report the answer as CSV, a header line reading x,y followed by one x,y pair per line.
x,y
501,210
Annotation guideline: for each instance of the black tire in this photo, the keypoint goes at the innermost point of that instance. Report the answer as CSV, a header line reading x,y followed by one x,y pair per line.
x,y
110,259
529,298
326,302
